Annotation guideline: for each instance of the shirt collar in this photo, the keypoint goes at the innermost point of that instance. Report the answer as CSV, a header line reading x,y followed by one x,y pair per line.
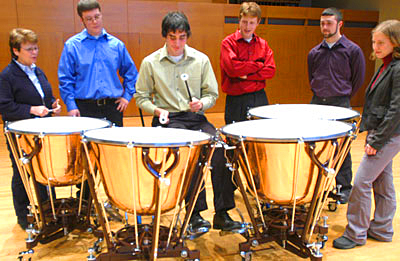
x,y
343,41
27,69
237,36
187,52
86,35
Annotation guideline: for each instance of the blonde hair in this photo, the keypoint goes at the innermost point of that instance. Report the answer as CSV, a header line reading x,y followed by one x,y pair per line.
x,y
250,9
19,36
390,28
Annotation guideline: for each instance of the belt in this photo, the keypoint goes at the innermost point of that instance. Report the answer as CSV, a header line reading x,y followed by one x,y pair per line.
x,y
98,102
332,98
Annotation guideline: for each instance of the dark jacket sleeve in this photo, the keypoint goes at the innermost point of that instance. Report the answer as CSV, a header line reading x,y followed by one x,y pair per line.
x,y
18,94
10,107
385,108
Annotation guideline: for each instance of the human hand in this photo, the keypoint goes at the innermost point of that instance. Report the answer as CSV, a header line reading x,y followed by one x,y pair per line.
x,y
74,113
195,105
162,115
244,77
122,104
56,107
40,111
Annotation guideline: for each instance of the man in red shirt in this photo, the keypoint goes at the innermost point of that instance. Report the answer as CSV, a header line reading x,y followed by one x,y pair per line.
x,y
246,62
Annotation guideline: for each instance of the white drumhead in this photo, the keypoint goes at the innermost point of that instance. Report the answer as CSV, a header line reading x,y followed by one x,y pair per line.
x,y
57,125
314,111
148,136
287,130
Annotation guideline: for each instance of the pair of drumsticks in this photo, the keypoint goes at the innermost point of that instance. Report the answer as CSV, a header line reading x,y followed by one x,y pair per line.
x,y
185,78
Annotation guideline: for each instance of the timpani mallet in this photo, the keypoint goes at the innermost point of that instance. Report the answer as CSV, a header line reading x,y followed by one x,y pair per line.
x,y
185,78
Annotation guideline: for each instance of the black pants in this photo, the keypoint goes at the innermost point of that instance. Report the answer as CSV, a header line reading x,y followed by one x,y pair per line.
x,y
223,187
101,109
236,107
345,174
20,198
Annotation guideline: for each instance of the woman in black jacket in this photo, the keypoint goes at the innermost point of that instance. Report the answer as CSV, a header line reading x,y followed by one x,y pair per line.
x,y
24,93
381,118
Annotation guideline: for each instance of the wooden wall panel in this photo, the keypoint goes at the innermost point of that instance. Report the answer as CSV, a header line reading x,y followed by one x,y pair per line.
x,y
133,46
289,84
314,13
146,17
46,15
51,46
138,25
284,12
231,10
8,21
360,16
362,37
5,55
8,15
115,16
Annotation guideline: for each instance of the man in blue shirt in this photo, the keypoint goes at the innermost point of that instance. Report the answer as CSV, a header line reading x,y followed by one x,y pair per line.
x,y
87,72
336,69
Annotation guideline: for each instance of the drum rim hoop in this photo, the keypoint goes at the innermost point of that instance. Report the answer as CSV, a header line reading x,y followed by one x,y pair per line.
x,y
348,118
52,133
298,139
208,140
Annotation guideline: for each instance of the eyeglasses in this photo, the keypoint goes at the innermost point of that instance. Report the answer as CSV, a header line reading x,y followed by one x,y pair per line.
x,y
92,19
32,49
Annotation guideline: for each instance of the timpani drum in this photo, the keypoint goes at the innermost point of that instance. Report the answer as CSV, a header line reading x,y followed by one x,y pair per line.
x,y
59,159
288,163
302,111
275,155
313,111
147,171
49,151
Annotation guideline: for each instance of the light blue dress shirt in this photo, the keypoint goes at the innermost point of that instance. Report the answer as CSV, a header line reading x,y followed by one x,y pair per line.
x,y
30,71
88,69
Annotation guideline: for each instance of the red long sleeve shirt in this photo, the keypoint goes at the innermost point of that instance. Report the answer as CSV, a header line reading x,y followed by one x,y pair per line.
x,y
254,59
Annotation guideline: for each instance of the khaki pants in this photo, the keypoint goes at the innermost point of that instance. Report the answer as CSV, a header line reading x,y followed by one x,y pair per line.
x,y
374,172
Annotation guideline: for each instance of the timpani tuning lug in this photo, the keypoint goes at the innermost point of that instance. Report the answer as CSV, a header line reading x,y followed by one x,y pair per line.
x,y
184,254
91,256
246,256
315,248
325,221
323,239
30,231
24,160
23,253
230,166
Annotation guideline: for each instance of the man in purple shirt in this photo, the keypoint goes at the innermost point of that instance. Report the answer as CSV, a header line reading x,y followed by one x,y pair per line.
x,y
336,69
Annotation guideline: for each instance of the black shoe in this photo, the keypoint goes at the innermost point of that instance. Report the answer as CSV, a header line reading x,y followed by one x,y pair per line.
x,y
197,223
224,222
23,222
344,243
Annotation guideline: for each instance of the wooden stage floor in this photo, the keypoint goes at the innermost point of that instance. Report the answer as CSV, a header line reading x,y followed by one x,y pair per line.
x,y
212,246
